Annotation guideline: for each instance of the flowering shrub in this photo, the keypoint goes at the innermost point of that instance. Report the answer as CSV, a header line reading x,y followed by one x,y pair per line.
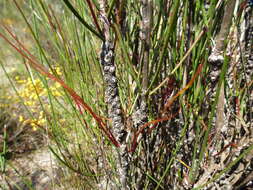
x,y
31,91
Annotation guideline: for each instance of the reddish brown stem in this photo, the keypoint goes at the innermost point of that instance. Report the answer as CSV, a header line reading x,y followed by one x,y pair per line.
x,y
78,100
94,16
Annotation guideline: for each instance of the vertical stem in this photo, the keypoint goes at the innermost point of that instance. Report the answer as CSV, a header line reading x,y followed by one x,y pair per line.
x,y
121,16
220,115
217,51
145,37
216,59
140,115
225,26
248,67
113,100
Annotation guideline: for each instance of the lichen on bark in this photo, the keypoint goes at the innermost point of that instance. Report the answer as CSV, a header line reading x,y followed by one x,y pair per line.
x,y
113,102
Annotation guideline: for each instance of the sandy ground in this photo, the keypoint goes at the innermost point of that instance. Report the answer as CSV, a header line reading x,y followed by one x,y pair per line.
x,y
31,160
37,168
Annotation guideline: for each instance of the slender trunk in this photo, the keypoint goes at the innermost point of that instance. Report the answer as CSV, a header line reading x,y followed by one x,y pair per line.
x,y
145,37
113,101
216,60
140,115
218,49
248,67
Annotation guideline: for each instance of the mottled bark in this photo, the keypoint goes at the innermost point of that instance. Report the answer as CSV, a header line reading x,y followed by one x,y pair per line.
x,y
114,111
144,51
113,101
140,114
248,67
216,60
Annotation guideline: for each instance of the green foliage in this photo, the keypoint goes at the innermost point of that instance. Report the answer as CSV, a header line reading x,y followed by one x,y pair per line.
x,y
68,35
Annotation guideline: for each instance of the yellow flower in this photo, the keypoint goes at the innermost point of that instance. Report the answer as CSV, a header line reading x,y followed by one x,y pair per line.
x,y
58,70
21,118
56,93
34,126
29,103
57,85
42,121
21,81
41,115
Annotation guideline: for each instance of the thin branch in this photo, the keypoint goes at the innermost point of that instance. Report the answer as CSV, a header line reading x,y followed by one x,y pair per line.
x,y
216,56
94,16
78,100
145,37
78,16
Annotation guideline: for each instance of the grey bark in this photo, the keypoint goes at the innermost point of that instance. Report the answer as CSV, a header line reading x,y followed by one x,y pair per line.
x,y
114,111
145,37
219,45
113,101
248,67
216,60
140,114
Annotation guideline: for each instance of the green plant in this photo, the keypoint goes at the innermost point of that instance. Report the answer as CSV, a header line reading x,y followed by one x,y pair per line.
x,y
3,151
139,110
